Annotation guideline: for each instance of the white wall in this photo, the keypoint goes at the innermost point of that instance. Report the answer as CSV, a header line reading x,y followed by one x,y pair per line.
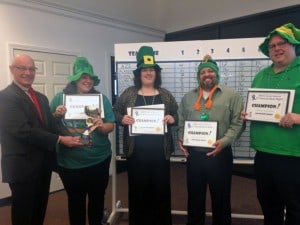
x,y
172,15
64,31
140,12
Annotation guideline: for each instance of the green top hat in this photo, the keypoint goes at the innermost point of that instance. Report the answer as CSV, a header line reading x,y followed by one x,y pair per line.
x,y
208,62
82,66
287,31
145,58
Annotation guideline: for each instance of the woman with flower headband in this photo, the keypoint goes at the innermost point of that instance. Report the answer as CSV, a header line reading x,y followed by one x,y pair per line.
x,y
210,165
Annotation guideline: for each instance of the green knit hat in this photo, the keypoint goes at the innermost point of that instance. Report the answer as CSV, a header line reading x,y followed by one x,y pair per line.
x,y
287,31
145,59
208,62
82,66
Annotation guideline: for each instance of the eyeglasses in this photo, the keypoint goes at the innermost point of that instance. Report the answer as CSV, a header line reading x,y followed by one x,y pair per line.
x,y
281,44
23,68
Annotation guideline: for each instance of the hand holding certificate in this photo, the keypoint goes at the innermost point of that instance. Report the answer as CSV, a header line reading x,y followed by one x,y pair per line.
x,y
84,107
200,133
76,104
268,105
147,121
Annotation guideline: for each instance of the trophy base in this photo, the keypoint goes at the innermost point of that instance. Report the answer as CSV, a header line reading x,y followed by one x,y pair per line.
x,y
85,139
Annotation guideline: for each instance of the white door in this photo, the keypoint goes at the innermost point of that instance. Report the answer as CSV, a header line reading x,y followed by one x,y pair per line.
x,y
51,77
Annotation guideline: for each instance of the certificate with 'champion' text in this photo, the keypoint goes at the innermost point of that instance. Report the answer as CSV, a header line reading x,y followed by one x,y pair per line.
x,y
75,105
200,133
147,121
268,105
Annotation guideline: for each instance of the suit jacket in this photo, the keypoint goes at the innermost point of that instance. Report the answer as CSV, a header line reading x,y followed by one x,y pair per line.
x,y
27,144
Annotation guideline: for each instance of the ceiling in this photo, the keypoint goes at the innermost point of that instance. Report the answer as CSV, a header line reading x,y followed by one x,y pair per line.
x,y
169,15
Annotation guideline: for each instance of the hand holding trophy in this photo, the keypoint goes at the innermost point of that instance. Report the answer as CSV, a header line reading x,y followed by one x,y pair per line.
x,y
92,122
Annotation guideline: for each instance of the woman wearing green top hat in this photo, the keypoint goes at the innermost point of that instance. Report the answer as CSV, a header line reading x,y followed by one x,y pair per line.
x,y
85,170
210,166
148,155
277,145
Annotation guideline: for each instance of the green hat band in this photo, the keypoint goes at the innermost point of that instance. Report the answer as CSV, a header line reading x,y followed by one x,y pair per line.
x,y
288,32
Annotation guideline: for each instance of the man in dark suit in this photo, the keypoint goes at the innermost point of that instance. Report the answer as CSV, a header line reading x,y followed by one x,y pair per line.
x,y
29,135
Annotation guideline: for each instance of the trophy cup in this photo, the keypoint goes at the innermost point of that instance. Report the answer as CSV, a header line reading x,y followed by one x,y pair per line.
x,y
91,113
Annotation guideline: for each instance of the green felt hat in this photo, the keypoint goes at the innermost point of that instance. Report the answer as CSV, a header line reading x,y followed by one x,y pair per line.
x,y
82,66
208,62
287,31
145,58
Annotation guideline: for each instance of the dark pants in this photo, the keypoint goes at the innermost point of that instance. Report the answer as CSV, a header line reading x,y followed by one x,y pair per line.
x,y
88,182
149,189
278,188
214,172
29,201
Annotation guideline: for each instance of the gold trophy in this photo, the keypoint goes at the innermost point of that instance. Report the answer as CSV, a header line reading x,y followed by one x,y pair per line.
x,y
91,112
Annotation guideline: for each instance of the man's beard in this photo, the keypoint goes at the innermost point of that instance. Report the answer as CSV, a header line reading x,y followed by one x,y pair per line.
x,y
208,86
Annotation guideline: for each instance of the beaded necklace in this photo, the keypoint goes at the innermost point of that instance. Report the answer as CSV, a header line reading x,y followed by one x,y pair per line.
x,y
153,98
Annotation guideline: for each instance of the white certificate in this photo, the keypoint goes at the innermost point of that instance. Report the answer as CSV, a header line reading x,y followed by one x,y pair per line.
x,y
76,104
147,121
200,133
268,105
155,106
